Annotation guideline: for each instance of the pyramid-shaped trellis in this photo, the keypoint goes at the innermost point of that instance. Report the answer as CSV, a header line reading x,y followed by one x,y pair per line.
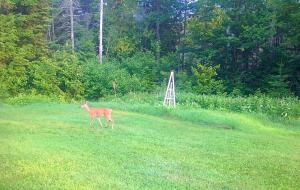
x,y
170,100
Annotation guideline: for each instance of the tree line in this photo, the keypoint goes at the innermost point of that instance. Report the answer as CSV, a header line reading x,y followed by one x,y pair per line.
x,y
240,47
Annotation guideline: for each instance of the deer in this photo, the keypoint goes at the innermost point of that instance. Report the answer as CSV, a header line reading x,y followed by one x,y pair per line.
x,y
97,113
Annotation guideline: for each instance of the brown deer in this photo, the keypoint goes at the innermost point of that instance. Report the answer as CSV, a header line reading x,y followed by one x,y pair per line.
x,y
97,113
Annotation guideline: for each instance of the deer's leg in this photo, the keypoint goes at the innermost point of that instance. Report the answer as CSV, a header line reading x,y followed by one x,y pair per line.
x,y
112,122
100,122
107,122
91,120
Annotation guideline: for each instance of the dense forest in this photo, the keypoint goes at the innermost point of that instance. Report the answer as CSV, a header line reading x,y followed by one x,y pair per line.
x,y
228,47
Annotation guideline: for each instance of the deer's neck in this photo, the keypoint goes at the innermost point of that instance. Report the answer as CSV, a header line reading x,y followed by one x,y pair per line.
x,y
88,109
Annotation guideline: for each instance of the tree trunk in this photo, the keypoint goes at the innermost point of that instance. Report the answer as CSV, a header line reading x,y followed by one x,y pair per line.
x,y
100,32
184,35
53,25
72,25
157,31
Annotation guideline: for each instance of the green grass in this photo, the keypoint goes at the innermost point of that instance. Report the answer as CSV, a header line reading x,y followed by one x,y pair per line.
x,y
288,107
50,146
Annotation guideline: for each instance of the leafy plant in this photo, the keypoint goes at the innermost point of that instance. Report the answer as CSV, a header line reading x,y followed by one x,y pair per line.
x,y
204,78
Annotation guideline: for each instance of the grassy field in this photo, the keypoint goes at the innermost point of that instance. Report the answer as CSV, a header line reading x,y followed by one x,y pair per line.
x,y
50,146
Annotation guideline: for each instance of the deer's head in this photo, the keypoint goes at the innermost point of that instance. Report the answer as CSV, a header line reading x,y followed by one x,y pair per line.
x,y
85,105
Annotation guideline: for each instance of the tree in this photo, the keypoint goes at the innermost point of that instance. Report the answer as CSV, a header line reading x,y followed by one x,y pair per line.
x,y
22,42
22,31
247,39
100,31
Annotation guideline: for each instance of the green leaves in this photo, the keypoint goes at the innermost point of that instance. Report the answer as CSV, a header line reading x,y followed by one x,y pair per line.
x,y
247,39
243,47
8,39
98,80
22,28
204,80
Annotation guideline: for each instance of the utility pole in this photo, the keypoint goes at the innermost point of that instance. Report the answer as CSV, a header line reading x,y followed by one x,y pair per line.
x,y
72,24
101,32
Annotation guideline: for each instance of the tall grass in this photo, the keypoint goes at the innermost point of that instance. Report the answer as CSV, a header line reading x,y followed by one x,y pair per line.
x,y
278,107
281,107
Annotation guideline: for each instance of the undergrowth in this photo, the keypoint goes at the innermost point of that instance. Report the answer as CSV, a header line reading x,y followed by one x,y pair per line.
x,y
275,107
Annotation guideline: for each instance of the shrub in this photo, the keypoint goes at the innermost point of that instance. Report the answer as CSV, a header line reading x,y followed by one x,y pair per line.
x,y
204,80
98,80
143,66
58,76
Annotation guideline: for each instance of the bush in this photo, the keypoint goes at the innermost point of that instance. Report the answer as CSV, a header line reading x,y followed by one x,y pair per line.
x,y
14,80
98,80
142,66
59,76
204,80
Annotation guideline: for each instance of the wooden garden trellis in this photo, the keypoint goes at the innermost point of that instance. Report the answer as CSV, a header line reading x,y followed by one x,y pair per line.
x,y
170,92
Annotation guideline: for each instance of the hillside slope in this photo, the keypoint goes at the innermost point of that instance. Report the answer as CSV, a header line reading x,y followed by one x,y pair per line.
x,y
50,146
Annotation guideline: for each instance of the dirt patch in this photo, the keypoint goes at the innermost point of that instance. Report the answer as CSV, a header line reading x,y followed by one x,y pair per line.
x,y
221,126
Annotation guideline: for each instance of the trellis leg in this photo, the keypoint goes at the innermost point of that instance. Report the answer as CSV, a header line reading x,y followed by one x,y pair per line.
x,y
169,99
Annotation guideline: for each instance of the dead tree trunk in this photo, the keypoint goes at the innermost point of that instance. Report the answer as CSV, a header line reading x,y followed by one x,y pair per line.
x,y
184,35
157,31
72,24
101,32
53,24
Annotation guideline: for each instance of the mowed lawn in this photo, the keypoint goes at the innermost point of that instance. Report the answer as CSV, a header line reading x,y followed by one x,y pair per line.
x,y
50,146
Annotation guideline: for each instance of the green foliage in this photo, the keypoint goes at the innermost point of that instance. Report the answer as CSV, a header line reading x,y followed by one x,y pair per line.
x,y
247,39
183,82
121,33
59,76
8,39
278,87
124,47
144,67
24,99
278,107
14,80
205,81
274,107
22,28
244,48
98,80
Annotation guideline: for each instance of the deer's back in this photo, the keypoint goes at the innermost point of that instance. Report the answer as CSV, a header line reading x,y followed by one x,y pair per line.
x,y
96,112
